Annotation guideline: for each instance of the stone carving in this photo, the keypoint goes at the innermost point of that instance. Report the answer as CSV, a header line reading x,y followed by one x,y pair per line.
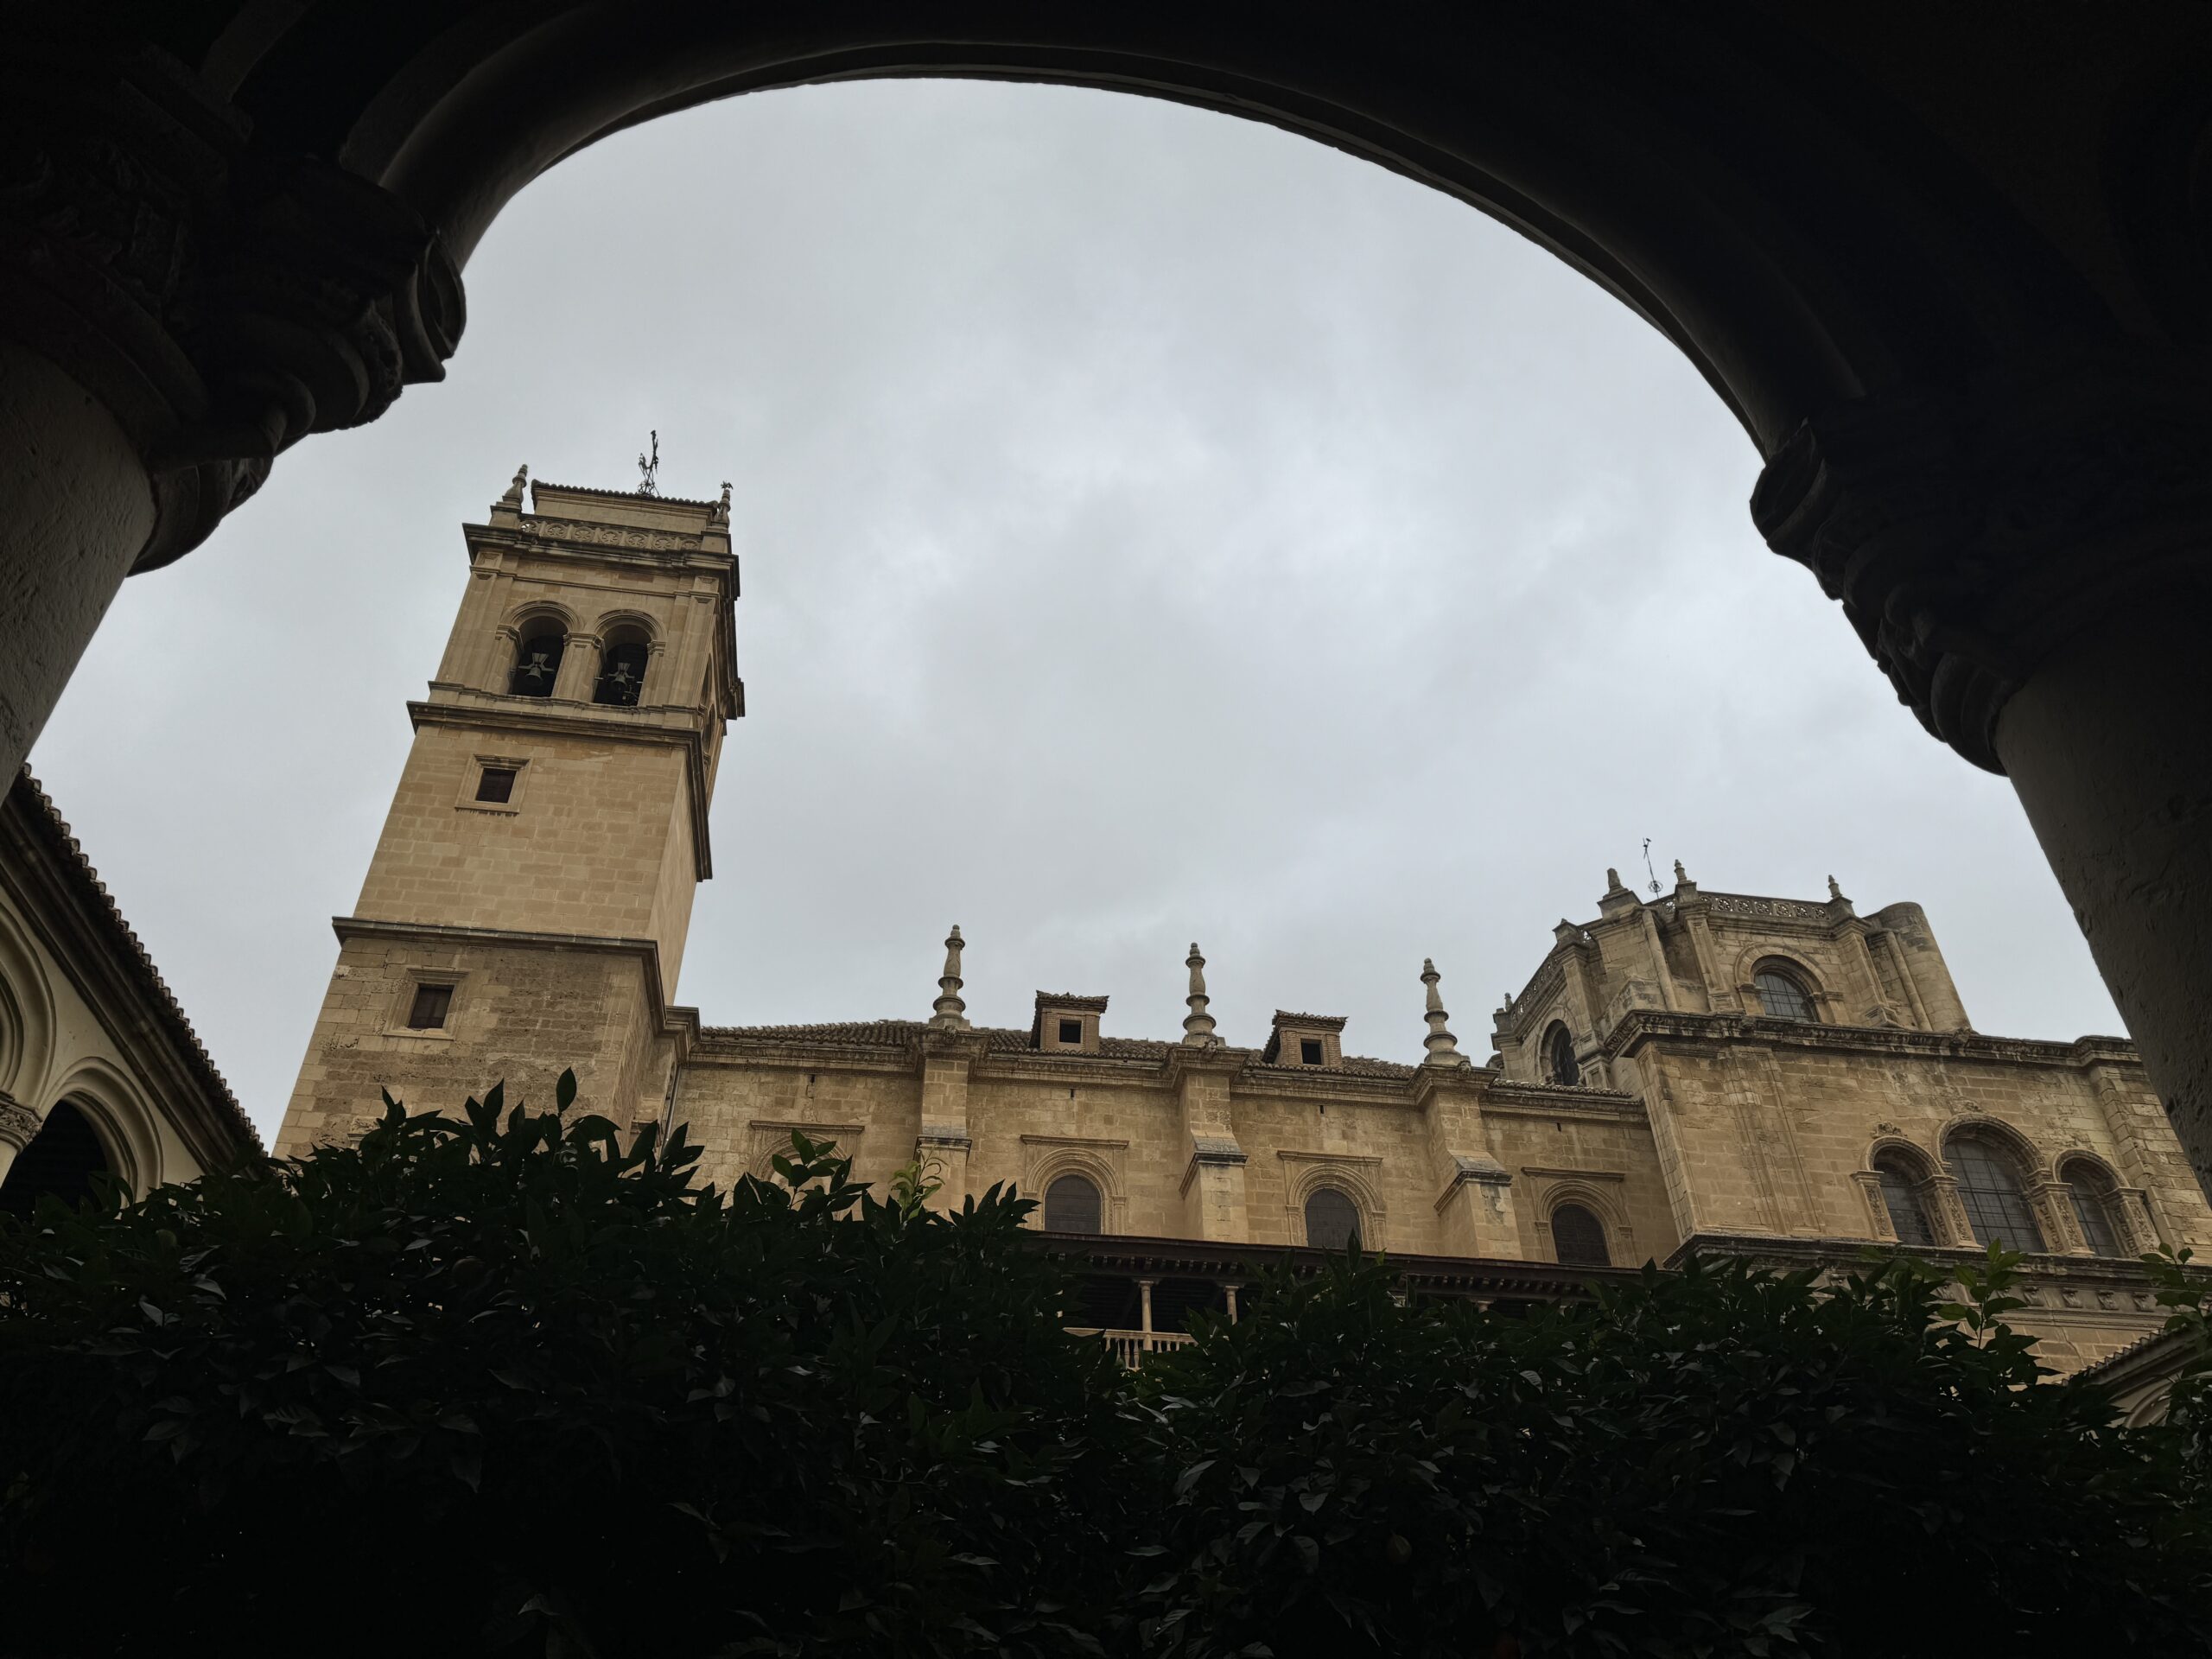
x,y
222,300
18,1124
1967,532
1791,910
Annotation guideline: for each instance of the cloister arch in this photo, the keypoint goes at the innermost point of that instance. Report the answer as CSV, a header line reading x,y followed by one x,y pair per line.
x,y
1964,336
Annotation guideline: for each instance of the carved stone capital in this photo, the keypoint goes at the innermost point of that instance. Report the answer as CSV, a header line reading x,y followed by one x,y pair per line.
x,y
1970,530
222,300
18,1123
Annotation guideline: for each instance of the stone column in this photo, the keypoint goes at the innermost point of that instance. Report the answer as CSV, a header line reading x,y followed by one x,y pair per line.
x,y
2109,747
76,508
18,1124
2027,553
177,307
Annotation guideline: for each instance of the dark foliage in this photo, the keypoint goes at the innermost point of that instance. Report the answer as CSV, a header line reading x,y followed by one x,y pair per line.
x,y
1722,1461
495,1385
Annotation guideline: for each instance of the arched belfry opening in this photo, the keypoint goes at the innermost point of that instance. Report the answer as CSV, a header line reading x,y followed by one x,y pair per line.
x,y
622,661
541,644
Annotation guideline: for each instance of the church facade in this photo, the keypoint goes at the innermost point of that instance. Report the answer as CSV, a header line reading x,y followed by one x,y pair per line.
x,y
1697,1072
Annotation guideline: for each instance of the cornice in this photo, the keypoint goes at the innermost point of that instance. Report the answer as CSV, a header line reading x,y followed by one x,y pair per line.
x,y
669,1020
598,728
2089,1272
1642,1026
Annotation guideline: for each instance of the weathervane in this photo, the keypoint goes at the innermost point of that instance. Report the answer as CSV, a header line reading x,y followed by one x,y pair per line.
x,y
648,471
1647,870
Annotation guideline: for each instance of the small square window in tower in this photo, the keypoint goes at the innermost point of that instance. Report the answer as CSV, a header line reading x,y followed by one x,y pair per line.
x,y
1067,1024
427,1011
1311,1039
496,785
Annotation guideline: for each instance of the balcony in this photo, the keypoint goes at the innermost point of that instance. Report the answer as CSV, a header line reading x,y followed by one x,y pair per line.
x,y
1131,1346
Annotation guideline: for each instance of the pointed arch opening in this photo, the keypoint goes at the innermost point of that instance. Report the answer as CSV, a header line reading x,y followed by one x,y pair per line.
x,y
1561,1065
62,1159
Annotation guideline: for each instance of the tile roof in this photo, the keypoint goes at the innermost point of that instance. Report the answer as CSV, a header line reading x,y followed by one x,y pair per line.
x,y
131,952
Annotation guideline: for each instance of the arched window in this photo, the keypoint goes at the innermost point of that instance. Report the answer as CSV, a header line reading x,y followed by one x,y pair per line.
x,y
1578,1238
1901,1193
1783,996
62,1159
2094,1205
1989,1186
1332,1220
1560,1064
538,658
622,668
1072,1205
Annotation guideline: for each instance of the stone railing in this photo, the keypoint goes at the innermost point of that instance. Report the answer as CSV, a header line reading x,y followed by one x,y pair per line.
x,y
1785,910
1131,1346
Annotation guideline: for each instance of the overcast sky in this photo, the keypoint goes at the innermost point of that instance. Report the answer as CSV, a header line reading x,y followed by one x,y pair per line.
x,y
1153,527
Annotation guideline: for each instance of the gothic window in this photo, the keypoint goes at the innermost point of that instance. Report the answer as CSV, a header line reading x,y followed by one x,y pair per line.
x,y
1783,996
621,670
1332,1220
1578,1238
2093,1204
1072,1205
62,1159
1901,1195
537,659
1560,1064
1989,1187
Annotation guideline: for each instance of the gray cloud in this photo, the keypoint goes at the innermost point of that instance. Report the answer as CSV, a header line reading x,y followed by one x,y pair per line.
x,y
1154,526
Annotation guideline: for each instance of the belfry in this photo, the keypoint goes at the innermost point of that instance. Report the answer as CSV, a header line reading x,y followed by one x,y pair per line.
x,y
527,906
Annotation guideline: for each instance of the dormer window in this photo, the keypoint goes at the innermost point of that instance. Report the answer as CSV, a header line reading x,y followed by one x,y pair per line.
x,y
538,658
1306,1039
1067,1024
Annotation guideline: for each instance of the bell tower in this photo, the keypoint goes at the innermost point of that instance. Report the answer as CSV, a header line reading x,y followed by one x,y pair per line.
x,y
527,906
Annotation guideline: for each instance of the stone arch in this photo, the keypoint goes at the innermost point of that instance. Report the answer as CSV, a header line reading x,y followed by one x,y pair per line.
x,y
1602,1199
1933,1189
2034,1165
1557,1060
1355,1178
127,1123
643,622
2039,1182
2124,1210
626,644
1766,955
1045,1162
533,620
27,1014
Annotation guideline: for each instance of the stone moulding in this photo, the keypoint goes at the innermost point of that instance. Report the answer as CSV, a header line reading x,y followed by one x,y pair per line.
x,y
1642,1026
